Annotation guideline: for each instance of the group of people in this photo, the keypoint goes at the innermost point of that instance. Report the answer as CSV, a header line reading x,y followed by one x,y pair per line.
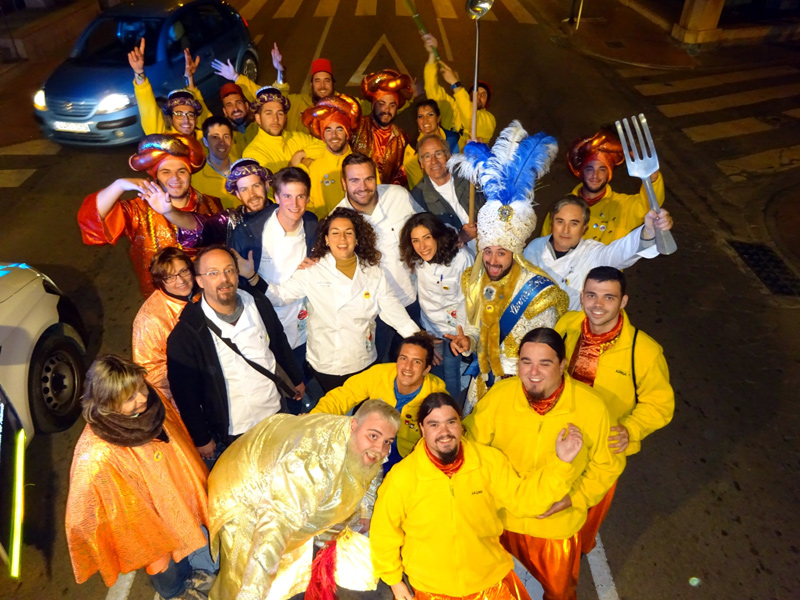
x,y
315,289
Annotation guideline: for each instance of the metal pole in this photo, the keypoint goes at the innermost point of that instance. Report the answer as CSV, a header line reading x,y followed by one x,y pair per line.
x,y
474,129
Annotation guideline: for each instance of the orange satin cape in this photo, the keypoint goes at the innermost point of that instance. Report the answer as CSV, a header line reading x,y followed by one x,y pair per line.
x,y
129,507
147,230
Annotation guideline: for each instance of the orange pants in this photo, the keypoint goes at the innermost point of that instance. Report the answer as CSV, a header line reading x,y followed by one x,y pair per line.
x,y
509,588
554,563
594,519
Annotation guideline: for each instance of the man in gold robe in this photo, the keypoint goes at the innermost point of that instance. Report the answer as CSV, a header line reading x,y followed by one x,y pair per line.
x,y
285,481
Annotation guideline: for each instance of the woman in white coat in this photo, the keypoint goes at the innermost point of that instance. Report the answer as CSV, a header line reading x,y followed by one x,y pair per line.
x,y
430,249
346,291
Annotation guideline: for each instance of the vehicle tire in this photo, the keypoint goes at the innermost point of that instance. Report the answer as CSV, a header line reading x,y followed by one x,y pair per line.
x,y
55,383
249,67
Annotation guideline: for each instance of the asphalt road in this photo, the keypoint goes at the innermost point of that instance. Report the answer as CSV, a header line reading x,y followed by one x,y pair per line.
x,y
711,497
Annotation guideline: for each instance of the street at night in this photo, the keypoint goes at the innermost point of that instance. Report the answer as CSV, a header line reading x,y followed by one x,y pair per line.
x,y
706,509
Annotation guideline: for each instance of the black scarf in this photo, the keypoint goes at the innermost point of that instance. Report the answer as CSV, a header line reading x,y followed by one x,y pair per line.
x,y
132,431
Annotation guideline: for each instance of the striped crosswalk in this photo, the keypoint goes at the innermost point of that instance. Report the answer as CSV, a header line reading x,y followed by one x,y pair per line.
x,y
504,10
746,120
15,177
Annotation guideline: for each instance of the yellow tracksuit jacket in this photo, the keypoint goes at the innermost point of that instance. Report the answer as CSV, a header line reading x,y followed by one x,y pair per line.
x,y
615,383
457,109
326,183
211,183
378,383
153,119
504,420
274,152
616,215
444,532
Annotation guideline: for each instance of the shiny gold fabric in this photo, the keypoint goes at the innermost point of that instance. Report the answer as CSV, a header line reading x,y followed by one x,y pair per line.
x,y
385,146
594,518
151,328
509,588
129,507
273,490
554,563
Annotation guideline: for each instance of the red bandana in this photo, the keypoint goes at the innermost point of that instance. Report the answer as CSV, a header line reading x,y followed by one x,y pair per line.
x,y
544,405
583,364
596,199
450,469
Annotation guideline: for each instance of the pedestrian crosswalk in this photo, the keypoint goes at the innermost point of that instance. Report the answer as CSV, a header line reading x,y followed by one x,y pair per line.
x,y
746,120
15,177
504,10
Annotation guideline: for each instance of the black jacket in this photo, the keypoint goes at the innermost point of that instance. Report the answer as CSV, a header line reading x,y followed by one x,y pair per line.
x,y
431,200
195,373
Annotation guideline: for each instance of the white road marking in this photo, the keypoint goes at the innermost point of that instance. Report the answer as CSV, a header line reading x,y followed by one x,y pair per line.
x,y
355,80
401,8
252,8
795,112
638,71
257,39
520,12
448,52
725,129
694,107
697,83
288,9
11,178
444,9
32,148
366,8
761,163
317,52
326,8
601,573
121,589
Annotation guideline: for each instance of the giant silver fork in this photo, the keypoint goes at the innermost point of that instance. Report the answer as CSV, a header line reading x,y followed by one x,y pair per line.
x,y
643,164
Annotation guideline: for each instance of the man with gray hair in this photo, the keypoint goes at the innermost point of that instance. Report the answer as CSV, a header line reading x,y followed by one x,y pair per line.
x,y
285,481
567,257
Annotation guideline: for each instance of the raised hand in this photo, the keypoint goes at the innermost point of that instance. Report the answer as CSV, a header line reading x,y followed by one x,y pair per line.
x,y
191,65
136,58
224,70
246,266
569,442
448,74
277,58
156,197
458,343
429,41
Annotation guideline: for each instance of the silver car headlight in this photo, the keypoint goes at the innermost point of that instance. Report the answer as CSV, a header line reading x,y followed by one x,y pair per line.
x,y
39,101
113,103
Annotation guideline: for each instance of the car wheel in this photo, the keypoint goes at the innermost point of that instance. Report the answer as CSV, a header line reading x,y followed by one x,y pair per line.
x,y
55,383
250,68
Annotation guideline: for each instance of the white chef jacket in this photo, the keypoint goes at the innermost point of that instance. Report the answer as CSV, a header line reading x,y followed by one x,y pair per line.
x,y
251,396
342,312
441,298
395,206
281,253
570,271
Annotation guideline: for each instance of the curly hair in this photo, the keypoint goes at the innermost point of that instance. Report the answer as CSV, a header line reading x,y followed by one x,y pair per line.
x,y
446,240
366,240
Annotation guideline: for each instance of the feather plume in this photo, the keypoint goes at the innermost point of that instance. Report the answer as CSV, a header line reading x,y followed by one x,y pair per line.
x,y
469,163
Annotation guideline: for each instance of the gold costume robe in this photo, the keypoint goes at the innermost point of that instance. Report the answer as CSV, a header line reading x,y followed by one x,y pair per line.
x,y
280,484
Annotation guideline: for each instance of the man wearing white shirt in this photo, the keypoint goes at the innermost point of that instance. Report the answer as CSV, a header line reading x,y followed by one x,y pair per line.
x,y
221,395
567,257
386,208
442,193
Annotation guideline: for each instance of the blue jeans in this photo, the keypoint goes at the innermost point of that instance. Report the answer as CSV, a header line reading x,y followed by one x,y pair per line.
x,y
174,581
449,370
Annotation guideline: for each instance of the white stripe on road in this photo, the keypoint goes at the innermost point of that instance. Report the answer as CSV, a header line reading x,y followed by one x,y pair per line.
x,y
32,148
761,163
730,100
444,9
12,178
326,8
366,8
715,131
257,39
121,589
401,8
355,79
288,9
795,112
307,85
252,8
697,83
448,52
601,573
520,13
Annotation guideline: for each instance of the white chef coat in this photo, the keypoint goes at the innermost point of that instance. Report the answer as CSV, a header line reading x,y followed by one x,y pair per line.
x,y
395,206
342,312
441,298
251,396
570,271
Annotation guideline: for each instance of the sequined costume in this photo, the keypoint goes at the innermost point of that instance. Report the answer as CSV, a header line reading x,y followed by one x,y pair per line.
x,y
212,229
147,230
385,146
130,506
151,328
280,484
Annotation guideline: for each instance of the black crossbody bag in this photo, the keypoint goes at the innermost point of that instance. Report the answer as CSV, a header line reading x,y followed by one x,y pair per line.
x,y
282,386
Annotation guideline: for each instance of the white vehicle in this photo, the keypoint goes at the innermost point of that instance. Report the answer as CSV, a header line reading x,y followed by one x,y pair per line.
x,y
42,365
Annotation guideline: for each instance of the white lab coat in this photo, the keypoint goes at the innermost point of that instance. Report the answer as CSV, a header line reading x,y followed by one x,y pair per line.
x,y
570,271
342,312
395,206
440,295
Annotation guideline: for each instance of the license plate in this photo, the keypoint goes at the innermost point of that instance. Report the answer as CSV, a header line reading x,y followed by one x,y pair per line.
x,y
74,127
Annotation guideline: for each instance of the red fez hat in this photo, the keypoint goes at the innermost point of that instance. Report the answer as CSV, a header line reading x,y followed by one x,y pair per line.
x,y
321,64
228,89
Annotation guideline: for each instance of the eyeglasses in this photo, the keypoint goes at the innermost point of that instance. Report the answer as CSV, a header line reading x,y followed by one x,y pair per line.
x,y
229,272
438,155
180,114
183,274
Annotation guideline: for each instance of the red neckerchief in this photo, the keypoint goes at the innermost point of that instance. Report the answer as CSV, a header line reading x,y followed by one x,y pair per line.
x,y
583,364
450,469
595,200
544,405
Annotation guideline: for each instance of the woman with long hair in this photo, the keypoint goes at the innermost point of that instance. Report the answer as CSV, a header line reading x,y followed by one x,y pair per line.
x,y
346,291
430,249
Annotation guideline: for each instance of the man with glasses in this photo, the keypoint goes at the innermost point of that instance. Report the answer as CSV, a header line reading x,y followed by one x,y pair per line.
x,y
442,193
222,357
184,106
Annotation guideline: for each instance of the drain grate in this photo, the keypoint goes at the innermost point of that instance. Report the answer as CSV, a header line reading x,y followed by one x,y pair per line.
x,y
769,267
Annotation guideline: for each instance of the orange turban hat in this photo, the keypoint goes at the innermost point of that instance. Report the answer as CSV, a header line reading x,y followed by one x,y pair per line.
x,y
388,81
603,146
158,147
339,108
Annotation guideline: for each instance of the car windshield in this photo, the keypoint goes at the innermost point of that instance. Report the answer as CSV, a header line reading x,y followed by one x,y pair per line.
x,y
111,38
